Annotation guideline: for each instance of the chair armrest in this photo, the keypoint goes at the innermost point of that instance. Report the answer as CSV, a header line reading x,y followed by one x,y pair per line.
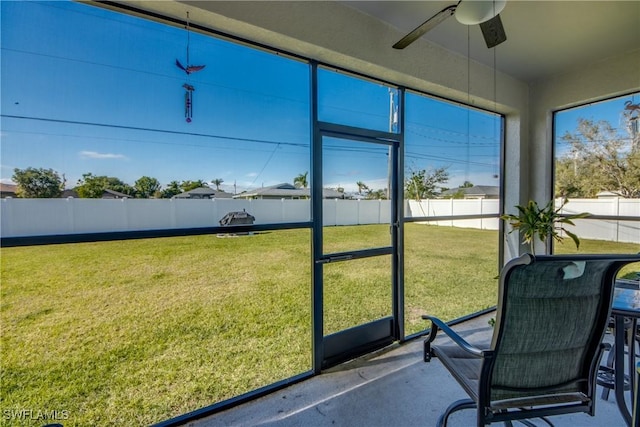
x,y
437,324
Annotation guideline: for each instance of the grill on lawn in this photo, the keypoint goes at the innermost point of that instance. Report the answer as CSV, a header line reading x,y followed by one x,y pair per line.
x,y
237,218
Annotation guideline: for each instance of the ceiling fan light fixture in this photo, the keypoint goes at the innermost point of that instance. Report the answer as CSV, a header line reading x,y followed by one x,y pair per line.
x,y
478,11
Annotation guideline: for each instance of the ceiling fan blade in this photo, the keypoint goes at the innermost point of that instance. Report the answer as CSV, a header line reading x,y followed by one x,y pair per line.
x,y
493,31
425,27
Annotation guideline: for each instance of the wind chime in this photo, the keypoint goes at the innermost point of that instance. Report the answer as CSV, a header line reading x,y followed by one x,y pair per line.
x,y
188,96
632,114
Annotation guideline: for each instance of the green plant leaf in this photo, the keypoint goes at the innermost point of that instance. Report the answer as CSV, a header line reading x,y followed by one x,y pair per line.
x,y
544,223
574,238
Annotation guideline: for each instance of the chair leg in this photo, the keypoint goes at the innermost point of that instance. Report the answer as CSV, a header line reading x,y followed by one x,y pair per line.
x,y
455,406
607,387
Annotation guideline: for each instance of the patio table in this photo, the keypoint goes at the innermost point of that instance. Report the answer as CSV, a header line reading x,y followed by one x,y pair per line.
x,y
626,304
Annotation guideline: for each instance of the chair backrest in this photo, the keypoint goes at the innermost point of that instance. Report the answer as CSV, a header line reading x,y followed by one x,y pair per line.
x,y
551,318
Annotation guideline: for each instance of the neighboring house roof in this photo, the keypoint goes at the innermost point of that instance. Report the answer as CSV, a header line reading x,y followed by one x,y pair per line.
x,y
278,191
112,194
286,191
355,196
69,193
328,193
475,192
203,193
8,190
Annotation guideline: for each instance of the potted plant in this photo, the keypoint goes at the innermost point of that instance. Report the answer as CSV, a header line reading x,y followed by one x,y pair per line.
x,y
545,223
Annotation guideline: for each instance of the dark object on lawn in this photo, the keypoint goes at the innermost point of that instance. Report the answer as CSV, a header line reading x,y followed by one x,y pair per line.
x,y
237,218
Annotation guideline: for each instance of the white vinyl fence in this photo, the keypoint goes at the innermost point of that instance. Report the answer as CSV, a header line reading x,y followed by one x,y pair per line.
x,y
611,230
456,207
42,217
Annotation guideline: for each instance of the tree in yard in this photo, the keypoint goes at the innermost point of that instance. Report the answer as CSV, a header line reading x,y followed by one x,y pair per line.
x,y
424,185
191,185
362,186
598,159
379,194
146,187
217,183
300,181
38,183
92,186
172,189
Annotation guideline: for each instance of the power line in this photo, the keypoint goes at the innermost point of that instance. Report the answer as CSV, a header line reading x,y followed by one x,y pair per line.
x,y
414,155
265,164
460,134
445,159
163,131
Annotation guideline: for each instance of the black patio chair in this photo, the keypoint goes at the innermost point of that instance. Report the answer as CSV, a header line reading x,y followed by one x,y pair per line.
x,y
546,344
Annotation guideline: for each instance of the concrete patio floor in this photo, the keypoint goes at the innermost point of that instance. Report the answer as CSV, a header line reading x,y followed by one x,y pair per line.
x,y
393,387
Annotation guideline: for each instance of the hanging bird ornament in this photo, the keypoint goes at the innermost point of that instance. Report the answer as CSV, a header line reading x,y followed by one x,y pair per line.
x,y
632,108
188,69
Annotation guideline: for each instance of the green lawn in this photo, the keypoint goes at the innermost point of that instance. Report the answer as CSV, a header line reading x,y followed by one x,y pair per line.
x,y
135,332
449,272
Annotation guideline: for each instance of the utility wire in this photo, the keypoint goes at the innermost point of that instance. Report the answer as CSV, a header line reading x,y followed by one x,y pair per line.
x,y
164,131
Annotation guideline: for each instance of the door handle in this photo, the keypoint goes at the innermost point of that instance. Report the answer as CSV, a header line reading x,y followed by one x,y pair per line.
x,y
334,259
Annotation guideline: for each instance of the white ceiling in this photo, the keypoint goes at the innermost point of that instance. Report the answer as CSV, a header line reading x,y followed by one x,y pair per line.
x,y
543,37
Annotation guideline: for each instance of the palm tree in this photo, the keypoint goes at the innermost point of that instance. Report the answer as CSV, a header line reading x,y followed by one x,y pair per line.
x,y
361,186
217,183
301,180
377,195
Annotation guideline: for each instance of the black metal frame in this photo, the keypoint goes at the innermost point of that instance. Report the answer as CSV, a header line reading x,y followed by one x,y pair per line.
x,y
144,234
551,243
341,346
396,322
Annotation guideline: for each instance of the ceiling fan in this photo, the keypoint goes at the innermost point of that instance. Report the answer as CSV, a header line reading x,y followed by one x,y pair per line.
x,y
468,12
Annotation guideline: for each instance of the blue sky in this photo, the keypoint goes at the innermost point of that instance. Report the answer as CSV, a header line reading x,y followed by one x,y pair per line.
x,y
111,102
86,90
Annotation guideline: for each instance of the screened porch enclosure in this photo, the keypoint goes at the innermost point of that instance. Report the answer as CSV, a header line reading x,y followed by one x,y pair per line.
x,y
151,309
